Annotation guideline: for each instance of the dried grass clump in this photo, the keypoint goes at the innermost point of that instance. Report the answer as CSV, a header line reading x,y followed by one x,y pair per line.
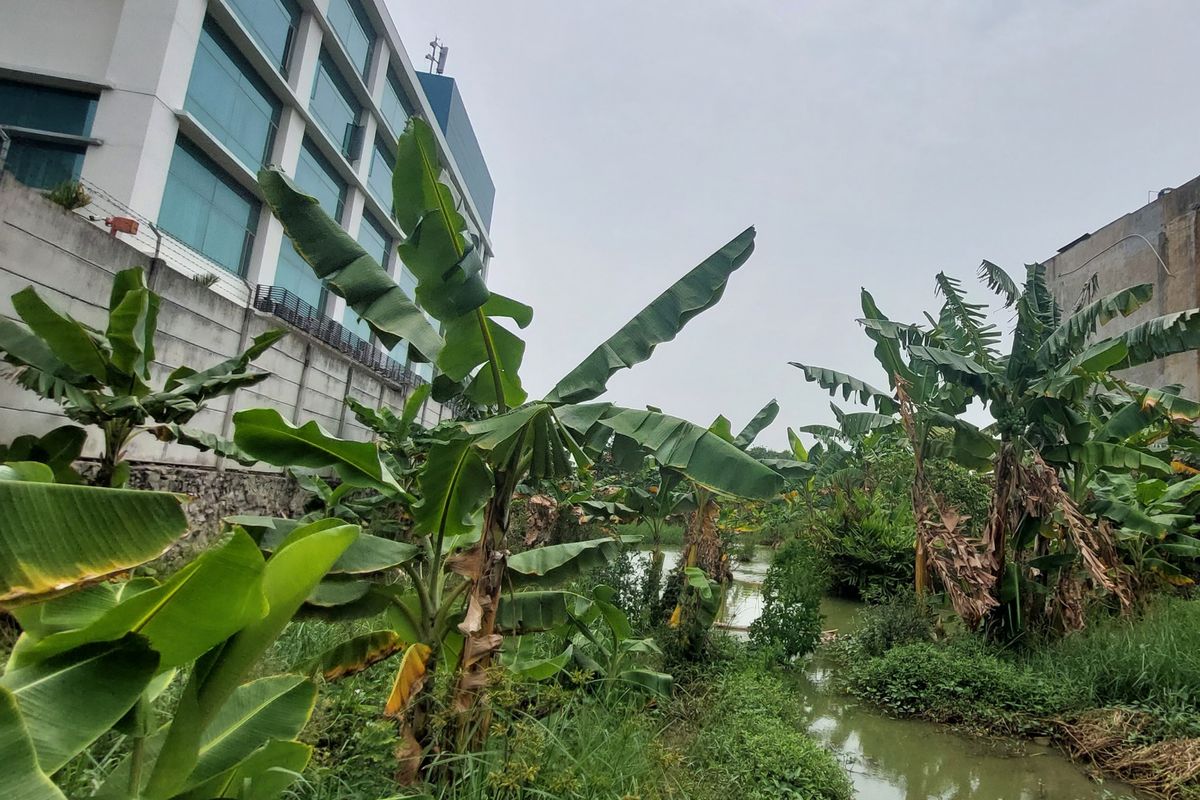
x,y
1107,737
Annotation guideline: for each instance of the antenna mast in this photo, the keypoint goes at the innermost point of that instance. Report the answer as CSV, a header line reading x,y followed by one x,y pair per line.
x,y
437,56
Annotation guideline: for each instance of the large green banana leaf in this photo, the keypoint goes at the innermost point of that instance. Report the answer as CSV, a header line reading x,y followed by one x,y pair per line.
x,y
557,563
659,322
1161,337
288,578
132,323
347,268
696,452
849,386
200,606
70,700
1072,333
265,775
21,778
264,434
755,426
57,536
72,343
1105,455
268,709
532,612
447,268
455,487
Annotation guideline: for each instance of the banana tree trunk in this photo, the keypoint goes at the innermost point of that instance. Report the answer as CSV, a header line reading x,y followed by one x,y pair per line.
x,y
479,626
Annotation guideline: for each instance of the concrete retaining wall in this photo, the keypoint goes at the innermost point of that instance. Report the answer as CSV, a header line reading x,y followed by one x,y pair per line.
x,y
71,261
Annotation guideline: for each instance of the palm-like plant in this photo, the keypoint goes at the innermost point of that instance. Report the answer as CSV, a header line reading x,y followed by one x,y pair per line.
x,y
1046,442
102,378
460,566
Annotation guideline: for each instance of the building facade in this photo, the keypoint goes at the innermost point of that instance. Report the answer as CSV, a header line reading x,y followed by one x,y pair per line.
x,y
165,110
1156,244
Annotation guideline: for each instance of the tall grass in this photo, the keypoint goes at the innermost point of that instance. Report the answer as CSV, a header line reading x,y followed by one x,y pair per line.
x,y
1151,661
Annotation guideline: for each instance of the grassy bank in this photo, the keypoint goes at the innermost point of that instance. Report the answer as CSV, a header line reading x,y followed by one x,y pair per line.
x,y
1125,694
731,729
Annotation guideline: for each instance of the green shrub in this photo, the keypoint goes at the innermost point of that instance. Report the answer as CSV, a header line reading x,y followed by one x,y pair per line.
x,y
895,623
869,544
790,623
962,683
750,743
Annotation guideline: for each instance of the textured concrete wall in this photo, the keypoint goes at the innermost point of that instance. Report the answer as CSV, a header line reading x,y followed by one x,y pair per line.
x,y
1169,226
71,262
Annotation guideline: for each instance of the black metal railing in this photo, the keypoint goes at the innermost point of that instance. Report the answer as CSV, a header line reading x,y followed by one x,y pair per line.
x,y
299,314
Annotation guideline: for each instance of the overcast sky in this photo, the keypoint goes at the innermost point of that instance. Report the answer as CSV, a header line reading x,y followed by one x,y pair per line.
x,y
870,143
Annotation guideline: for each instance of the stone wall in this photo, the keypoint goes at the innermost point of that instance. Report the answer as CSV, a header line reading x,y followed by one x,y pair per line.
x,y
214,495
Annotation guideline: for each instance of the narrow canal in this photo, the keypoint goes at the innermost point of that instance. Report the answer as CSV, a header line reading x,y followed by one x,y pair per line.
x,y
895,759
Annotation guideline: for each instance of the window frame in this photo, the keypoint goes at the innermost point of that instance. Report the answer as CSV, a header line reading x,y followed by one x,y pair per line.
x,y
254,205
220,131
346,145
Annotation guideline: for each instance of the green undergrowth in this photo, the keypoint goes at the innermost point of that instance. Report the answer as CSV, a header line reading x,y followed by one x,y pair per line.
x,y
731,730
1125,692
962,683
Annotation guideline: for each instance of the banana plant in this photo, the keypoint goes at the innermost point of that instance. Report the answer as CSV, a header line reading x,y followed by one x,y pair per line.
x,y
467,482
103,377
119,643
1047,439
596,636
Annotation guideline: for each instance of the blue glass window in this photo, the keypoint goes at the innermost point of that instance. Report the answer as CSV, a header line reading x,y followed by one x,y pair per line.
x,y
317,177
379,179
204,208
334,105
272,23
353,30
36,162
395,106
230,101
375,240
314,176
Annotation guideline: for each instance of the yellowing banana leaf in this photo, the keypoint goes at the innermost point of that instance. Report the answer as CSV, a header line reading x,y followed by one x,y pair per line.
x,y
659,322
200,606
355,655
410,677
58,536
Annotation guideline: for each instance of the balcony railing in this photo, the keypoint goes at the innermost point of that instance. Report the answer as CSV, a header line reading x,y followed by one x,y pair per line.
x,y
299,314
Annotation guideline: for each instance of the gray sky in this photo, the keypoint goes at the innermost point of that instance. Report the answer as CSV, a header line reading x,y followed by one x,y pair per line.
x,y
871,143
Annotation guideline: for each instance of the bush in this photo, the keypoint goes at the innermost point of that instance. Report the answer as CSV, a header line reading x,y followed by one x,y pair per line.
x,y
751,742
962,683
870,545
898,622
790,623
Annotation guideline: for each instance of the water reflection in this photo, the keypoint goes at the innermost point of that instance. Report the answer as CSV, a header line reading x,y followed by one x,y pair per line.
x,y
890,759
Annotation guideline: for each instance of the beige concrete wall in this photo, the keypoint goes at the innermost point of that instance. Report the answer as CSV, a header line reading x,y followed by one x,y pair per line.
x,y
1119,259
71,263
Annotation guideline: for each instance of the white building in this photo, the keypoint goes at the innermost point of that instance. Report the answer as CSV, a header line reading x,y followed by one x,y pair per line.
x,y
166,109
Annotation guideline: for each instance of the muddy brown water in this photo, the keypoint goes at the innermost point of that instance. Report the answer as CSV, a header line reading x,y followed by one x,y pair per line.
x,y
898,759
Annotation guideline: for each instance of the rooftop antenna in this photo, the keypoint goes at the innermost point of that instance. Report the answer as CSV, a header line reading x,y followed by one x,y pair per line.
x,y
437,56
